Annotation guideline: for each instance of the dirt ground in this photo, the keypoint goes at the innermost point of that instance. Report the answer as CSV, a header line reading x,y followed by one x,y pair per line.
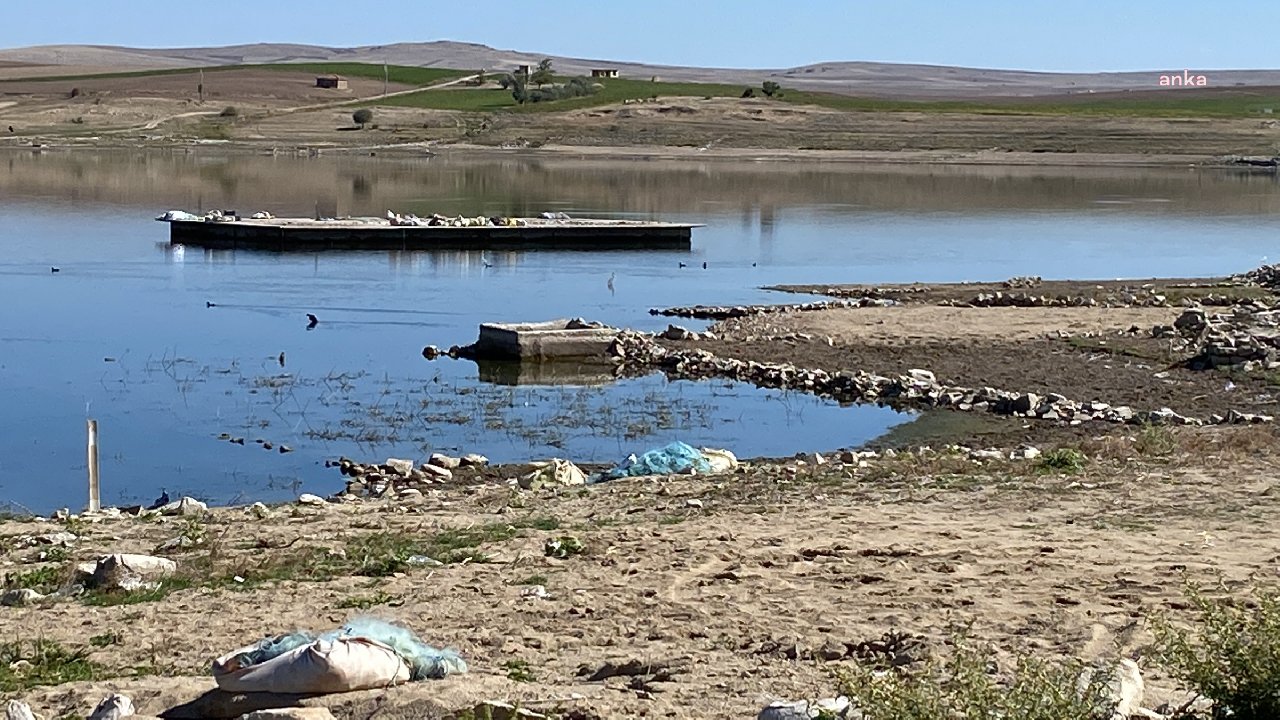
x,y
751,593
709,127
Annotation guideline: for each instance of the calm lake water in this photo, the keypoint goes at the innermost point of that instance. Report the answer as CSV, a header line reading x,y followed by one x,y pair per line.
x,y
122,333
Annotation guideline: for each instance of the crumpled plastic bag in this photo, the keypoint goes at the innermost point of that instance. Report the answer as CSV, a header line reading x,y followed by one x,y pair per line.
x,y
674,459
553,472
365,653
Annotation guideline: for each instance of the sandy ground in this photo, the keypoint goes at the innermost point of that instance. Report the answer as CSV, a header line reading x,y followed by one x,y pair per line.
x,y
746,595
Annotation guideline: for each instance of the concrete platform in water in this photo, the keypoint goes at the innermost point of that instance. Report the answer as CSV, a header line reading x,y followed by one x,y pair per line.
x,y
301,234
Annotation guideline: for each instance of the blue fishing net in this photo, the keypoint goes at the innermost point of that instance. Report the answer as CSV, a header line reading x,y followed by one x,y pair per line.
x,y
669,460
424,661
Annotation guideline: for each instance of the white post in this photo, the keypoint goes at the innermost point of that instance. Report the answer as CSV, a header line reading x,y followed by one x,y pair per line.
x,y
95,499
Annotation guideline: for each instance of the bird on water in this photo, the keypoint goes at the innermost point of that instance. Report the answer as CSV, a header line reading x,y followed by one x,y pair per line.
x,y
281,359
312,321
209,304
55,269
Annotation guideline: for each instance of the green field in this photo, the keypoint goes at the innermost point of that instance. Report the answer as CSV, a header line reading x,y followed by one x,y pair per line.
x,y
614,91
403,74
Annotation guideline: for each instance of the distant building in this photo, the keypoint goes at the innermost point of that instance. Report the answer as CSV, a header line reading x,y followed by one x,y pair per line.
x,y
604,73
331,82
523,72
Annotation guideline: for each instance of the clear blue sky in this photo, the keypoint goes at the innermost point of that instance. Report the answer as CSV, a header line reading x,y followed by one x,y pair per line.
x,y
1029,34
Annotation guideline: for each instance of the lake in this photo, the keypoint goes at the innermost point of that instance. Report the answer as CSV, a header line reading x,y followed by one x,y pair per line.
x,y
122,332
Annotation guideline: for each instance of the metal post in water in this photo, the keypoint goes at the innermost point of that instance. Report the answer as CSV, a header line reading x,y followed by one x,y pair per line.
x,y
95,498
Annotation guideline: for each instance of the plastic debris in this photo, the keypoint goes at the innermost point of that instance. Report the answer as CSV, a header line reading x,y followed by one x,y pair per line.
x,y
553,472
674,459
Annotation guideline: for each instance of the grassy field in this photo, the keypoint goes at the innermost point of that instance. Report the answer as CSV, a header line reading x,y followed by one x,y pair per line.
x,y
403,74
613,91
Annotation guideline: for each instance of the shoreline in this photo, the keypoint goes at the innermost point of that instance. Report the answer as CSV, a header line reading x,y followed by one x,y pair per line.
x,y
465,151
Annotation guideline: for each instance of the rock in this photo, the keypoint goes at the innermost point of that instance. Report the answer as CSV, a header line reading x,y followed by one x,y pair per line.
x,y
113,707
19,597
403,467
64,539
498,710
1025,403
444,461
815,459
989,454
130,572
309,499
259,511
805,710
434,472
18,710
410,493
294,713
1125,687
923,376
184,506
675,332
474,460
1026,452
693,503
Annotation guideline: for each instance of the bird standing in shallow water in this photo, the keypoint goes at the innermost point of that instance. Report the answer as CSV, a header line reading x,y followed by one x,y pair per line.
x,y
704,264
610,283
281,359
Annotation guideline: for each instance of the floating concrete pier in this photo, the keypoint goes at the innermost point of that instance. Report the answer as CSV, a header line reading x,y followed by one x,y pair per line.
x,y
301,234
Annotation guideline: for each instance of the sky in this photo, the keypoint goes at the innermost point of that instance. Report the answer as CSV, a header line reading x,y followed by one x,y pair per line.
x,y
1085,36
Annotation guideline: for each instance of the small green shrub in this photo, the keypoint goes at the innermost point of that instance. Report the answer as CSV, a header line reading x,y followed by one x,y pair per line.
x,y
1068,461
26,664
520,671
43,580
362,117
1155,440
1230,654
962,685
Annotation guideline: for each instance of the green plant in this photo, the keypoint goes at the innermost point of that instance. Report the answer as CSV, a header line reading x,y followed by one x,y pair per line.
x,y
27,664
1156,440
43,580
962,685
771,88
520,671
109,598
563,547
1067,461
543,73
364,602
362,117
105,640
531,580
1230,653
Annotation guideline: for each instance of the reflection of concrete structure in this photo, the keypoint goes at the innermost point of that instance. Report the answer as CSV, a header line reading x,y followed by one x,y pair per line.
x,y
331,82
543,340
515,372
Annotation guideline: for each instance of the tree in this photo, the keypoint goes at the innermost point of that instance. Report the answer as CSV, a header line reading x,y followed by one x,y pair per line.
x,y
748,93
543,74
771,88
362,116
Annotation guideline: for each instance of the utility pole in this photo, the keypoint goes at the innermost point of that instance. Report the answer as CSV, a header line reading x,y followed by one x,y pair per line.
x,y
200,87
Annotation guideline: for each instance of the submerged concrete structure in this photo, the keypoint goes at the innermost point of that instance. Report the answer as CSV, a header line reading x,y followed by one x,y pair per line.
x,y
552,340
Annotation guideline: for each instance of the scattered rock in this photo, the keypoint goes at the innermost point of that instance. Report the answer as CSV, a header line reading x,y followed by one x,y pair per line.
x,y
309,499
553,472
712,312
835,708
436,472
474,460
19,597
294,713
113,707
403,467
127,572
18,710
444,461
